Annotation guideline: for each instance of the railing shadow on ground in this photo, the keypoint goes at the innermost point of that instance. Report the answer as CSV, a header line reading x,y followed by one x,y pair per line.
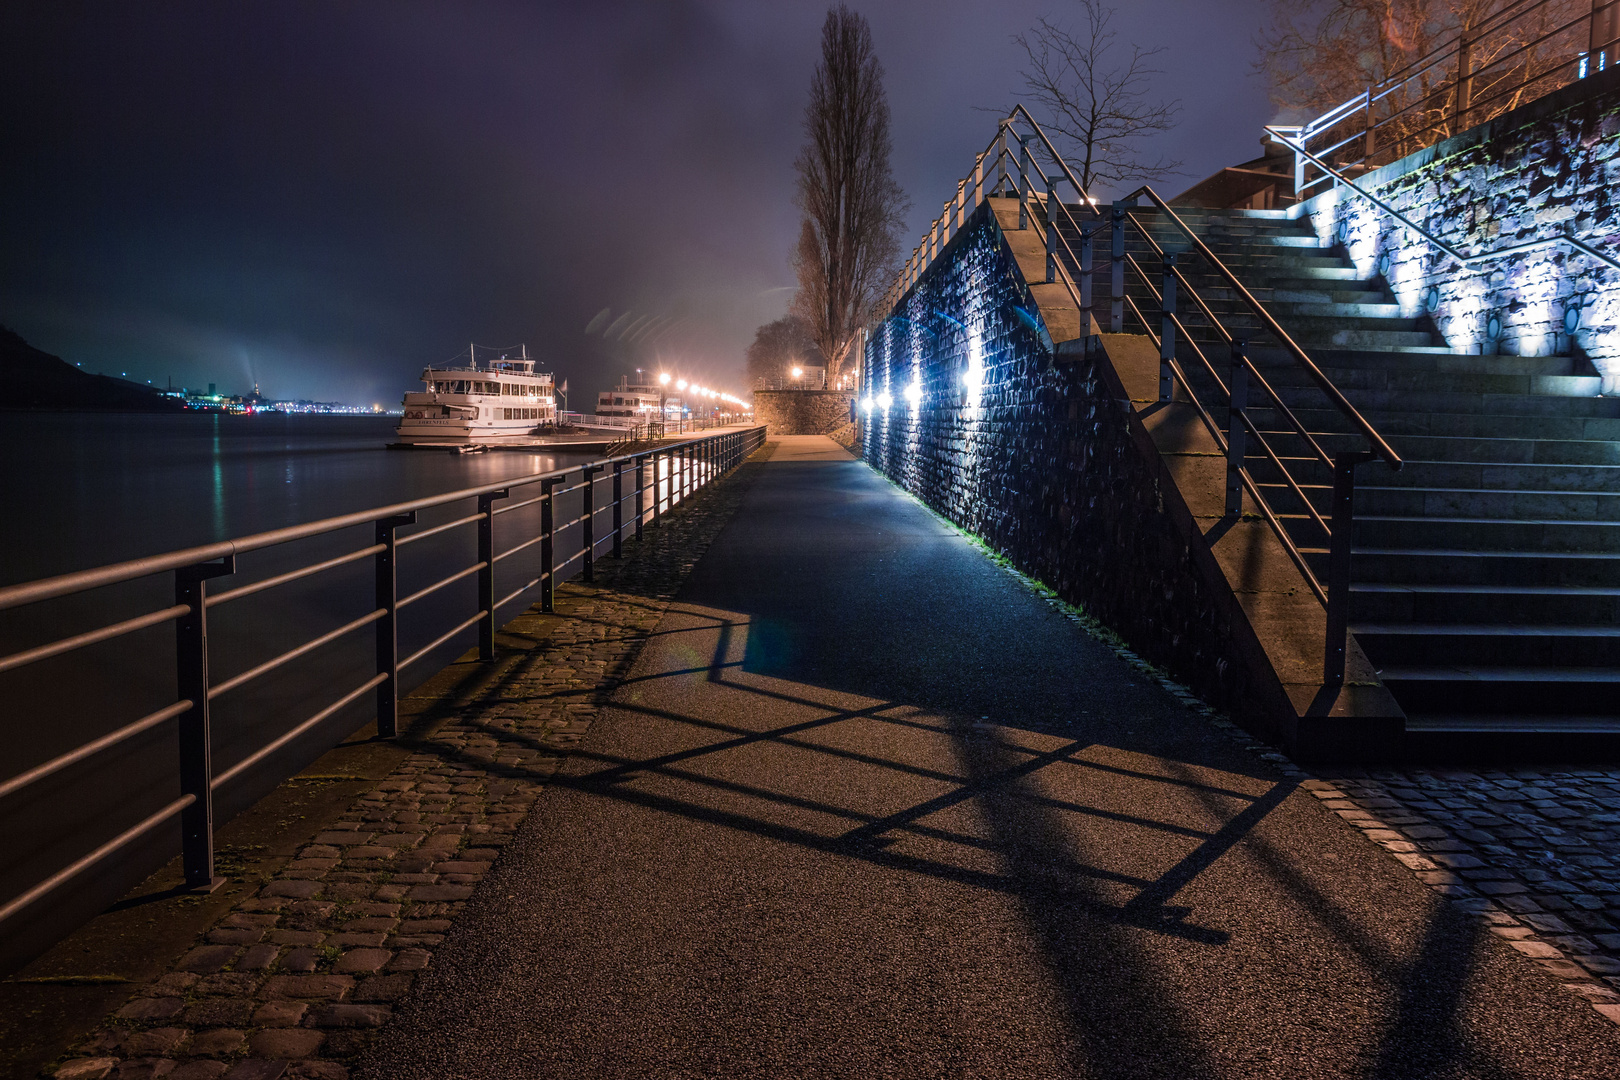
x,y
1084,913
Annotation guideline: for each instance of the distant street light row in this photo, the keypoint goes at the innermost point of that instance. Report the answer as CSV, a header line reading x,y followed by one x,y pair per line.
x,y
664,378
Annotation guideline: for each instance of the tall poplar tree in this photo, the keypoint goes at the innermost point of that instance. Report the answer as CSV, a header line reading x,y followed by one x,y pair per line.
x,y
852,207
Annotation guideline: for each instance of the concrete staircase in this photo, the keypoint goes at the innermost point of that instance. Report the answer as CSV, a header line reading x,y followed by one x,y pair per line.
x,y
1486,576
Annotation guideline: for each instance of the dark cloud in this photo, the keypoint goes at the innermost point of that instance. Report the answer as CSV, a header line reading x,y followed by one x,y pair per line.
x,y
323,197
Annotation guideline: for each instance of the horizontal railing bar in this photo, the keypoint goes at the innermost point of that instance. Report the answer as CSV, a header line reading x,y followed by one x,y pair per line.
x,y
17,903
269,748
92,637
519,591
514,550
436,642
435,530
114,573
292,654
436,586
580,554
90,749
291,575
507,508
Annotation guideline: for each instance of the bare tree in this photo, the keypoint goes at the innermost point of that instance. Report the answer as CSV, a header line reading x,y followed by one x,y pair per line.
x,y
1319,55
1096,98
779,345
852,207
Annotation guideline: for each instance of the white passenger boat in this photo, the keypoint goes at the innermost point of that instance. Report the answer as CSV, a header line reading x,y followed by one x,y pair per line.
x,y
638,400
506,400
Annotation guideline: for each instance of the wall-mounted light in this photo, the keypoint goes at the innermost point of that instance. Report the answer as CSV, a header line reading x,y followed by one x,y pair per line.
x,y
1493,326
1384,263
885,401
914,393
1572,314
1342,233
866,405
1431,298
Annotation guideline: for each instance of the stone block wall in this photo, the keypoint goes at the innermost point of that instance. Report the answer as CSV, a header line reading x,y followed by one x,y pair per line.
x,y
1034,447
802,412
1547,168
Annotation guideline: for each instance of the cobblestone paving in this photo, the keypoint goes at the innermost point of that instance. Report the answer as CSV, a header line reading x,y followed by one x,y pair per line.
x,y
294,981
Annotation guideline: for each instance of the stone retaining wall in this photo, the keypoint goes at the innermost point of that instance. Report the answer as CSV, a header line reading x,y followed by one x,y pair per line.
x,y
802,412
1548,168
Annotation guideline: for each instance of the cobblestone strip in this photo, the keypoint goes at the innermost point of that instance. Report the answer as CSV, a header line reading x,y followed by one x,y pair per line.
x,y
1531,852
296,978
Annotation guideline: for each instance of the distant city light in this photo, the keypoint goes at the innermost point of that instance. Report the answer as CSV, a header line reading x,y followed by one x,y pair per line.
x,y
680,384
663,377
797,372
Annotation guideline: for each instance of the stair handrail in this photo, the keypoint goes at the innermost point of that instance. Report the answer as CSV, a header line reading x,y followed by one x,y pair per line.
x,y
1380,445
1575,242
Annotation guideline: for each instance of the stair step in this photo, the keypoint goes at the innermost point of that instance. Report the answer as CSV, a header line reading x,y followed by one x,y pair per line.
x,y
1510,723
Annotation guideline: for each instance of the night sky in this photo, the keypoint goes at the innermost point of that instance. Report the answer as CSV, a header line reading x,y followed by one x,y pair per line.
x,y
325,197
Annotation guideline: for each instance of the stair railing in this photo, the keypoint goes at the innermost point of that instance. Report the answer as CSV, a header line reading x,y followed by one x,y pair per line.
x,y
1009,168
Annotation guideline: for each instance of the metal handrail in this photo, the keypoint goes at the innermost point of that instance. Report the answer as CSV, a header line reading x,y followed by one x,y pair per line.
x,y
703,459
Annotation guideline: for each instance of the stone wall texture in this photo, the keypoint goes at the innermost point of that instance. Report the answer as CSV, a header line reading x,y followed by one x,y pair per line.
x,y
1548,168
1037,451
802,412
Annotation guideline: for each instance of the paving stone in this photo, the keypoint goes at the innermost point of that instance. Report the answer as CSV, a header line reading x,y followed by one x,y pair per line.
x,y
152,1009
350,1016
199,1070
219,1012
206,959
279,1014
216,1042
285,1042
86,1068
363,960
257,1070
153,1041
310,987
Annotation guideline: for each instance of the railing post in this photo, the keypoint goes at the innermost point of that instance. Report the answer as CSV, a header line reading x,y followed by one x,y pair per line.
x,y
1116,310
1001,161
387,599
586,513
618,509
1339,548
978,181
641,492
196,738
1465,84
1023,178
548,517
1238,386
657,486
1167,329
486,574
1367,151
1086,320
1051,231
961,203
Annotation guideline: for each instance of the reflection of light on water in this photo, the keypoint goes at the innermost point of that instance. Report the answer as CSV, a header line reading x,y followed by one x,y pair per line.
x,y
219,486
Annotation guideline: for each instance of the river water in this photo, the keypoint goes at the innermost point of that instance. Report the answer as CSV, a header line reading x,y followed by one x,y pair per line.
x,y
83,490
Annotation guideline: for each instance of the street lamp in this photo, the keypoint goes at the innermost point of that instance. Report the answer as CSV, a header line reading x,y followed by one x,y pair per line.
x,y
663,385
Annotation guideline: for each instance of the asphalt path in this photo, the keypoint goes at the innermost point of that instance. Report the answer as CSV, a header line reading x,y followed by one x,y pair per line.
x,y
869,807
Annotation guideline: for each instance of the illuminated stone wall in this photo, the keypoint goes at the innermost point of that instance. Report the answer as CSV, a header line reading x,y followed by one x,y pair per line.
x,y
1547,168
965,407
